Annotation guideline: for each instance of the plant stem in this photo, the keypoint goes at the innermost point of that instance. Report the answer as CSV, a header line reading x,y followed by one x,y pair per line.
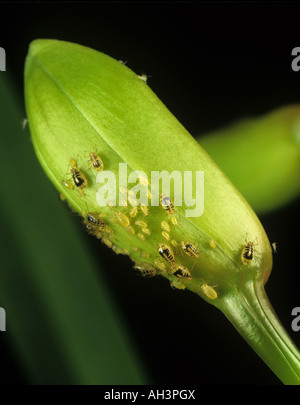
x,y
252,314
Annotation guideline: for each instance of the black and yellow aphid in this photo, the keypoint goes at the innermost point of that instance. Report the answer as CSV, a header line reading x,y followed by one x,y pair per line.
x,y
181,272
166,253
79,178
92,219
146,269
96,162
247,253
167,203
190,249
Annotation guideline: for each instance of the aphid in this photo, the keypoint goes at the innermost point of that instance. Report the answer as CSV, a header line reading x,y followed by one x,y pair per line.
x,y
132,201
67,184
133,212
177,285
130,230
209,291
107,242
212,244
181,272
247,253
96,162
140,223
146,231
24,123
93,220
62,197
79,178
146,269
174,221
165,226
166,253
159,265
167,204
189,249
174,243
123,219
141,236
274,247
143,77
123,62
165,235
143,181
144,209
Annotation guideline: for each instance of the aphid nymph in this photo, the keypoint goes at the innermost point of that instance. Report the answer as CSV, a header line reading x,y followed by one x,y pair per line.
x,y
96,162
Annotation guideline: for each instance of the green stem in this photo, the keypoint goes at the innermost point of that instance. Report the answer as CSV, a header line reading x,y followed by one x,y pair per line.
x,y
251,312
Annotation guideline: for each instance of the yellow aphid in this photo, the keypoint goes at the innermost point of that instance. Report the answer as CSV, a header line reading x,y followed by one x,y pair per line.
x,y
146,231
274,247
130,230
117,250
167,203
67,184
62,197
159,265
140,223
174,221
212,244
79,178
165,226
132,201
174,243
96,162
123,190
133,212
165,235
189,249
209,291
247,253
181,272
144,210
178,285
143,181
123,219
107,242
141,236
166,253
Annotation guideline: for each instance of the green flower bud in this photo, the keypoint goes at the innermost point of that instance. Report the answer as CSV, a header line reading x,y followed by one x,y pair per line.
x,y
89,115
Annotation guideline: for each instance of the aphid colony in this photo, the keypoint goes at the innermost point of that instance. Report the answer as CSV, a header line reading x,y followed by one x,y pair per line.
x,y
99,227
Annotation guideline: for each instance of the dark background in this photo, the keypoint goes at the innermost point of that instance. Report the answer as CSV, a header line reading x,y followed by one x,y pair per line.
x,y
210,63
